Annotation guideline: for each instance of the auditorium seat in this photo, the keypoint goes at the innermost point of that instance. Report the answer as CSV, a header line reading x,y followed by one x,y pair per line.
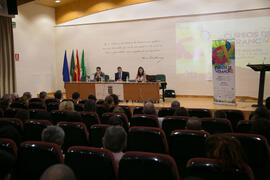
x,y
144,120
89,118
8,145
244,126
138,110
147,166
35,100
171,123
147,139
127,112
37,105
76,134
100,109
15,122
18,105
96,134
52,106
91,163
35,157
51,100
11,112
216,125
79,107
162,112
256,149
198,112
106,116
58,116
234,116
38,114
34,128
1,113
209,169
186,144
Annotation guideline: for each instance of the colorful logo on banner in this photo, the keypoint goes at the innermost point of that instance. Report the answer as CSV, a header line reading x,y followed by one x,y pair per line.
x,y
223,61
222,56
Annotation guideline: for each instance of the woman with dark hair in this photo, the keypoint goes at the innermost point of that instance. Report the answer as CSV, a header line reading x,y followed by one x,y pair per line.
x,y
90,105
226,150
141,76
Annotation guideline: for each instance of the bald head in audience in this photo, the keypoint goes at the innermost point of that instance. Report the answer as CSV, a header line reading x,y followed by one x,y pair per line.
x,y
149,108
194,123
175,105
58,172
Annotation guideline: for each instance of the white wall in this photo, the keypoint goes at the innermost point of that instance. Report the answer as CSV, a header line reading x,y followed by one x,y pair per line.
x,y
34,40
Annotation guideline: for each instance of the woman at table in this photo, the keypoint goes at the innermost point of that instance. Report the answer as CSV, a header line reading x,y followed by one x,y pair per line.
x,y
141,76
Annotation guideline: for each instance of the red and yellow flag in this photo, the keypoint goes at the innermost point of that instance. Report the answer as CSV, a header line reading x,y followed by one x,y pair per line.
x,y
77,68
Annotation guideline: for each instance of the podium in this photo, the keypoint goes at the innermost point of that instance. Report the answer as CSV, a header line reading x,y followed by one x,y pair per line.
x,y
262,68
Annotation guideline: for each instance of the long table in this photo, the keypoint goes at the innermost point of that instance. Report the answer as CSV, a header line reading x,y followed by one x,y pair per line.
x,y
131,90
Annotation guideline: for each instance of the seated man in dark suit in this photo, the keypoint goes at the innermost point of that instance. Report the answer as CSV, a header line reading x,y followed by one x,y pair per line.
x,y
121,75
99,75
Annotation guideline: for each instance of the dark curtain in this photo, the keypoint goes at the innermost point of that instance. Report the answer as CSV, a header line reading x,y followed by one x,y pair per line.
x,y
7,64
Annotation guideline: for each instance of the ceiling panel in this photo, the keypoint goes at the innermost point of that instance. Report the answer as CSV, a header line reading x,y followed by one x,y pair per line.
x,y
52,3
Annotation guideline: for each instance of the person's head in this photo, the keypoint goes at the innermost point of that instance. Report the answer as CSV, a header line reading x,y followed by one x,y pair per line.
x,y
22,115
58,94
43,95
226,150
98,69
75,96
119,69
148,100
10,132
149,108
267,103
27,95
5,101
53,134
181,112
58,172
115,138
140,71
220,114
115,99
14,96
194,123
109,103
66,106
90,105
7,165
261,125
261,112
175,104
115,120
92,96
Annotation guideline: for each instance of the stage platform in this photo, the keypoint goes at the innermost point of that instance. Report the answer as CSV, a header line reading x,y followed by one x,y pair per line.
x,y
242,103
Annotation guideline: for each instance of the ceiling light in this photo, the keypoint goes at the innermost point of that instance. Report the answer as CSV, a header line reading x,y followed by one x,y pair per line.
x,y
57,1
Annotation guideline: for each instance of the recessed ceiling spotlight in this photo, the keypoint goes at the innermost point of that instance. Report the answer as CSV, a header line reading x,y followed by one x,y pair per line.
x,y
57,1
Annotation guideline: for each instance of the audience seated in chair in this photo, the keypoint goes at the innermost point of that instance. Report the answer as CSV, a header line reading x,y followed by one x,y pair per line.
x,y
115,120
10,132
117,108
58,95
261,125
92,96
58,172
194,123
76,97
43,95
90,105
66,106
226,150
5,102
149,108
7,165
181,112
23,115
115,139
53,134
262,112
109,104
175,105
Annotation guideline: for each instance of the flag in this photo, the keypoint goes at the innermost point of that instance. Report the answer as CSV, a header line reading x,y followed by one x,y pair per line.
x,y
65,69
83,69
72,67
77,68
